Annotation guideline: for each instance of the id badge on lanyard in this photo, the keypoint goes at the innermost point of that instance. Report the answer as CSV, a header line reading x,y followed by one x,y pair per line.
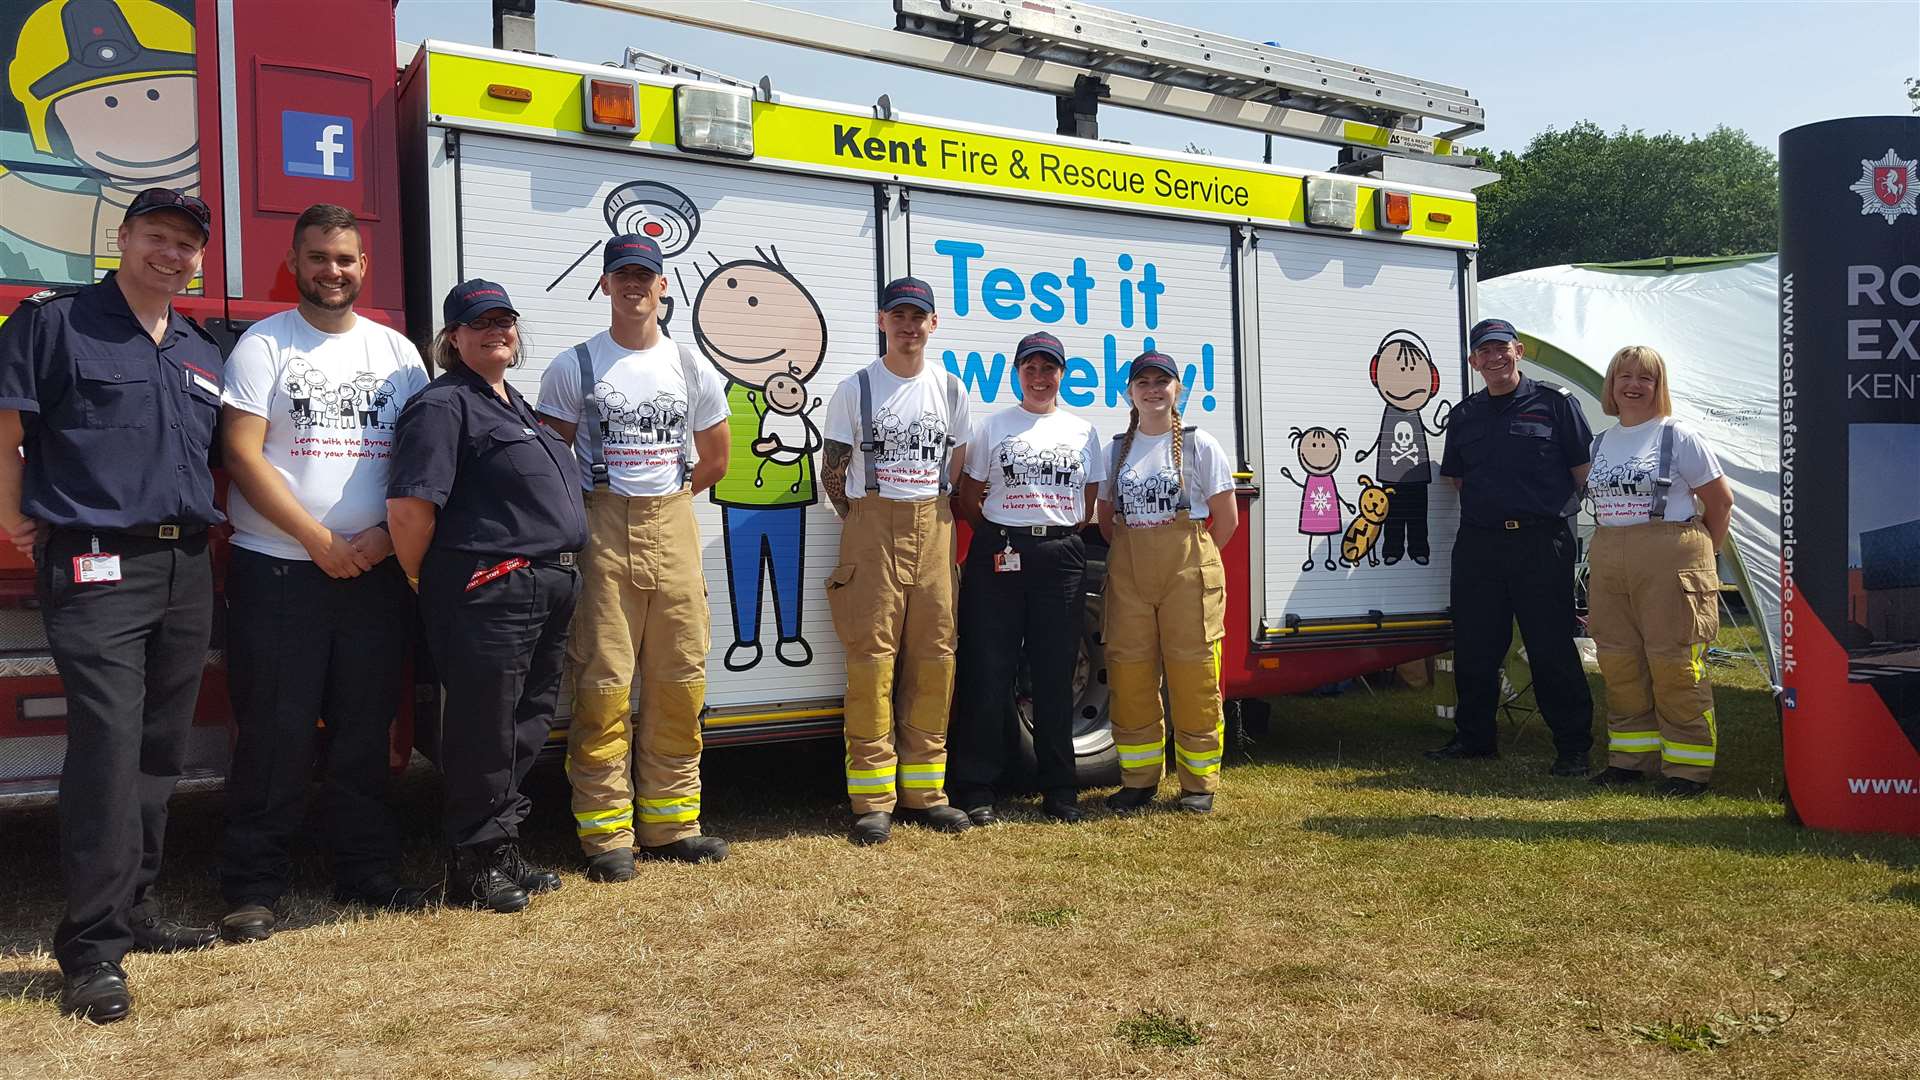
x,y
96,567
1006,560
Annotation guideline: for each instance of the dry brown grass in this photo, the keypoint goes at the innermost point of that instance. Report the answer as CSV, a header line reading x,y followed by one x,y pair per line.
x,y
1351,911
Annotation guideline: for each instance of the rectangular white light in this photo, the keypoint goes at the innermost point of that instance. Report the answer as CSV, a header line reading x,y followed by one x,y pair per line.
x,y
713,119
1332,201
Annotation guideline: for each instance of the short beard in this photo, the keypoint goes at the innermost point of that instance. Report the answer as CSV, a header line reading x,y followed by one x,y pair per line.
x,y
311,296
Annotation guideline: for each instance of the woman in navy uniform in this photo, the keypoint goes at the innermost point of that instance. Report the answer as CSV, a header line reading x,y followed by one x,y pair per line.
x,y
484,505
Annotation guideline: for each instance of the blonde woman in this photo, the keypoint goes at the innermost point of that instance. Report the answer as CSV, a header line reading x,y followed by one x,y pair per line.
x,y
1662,507
1167,508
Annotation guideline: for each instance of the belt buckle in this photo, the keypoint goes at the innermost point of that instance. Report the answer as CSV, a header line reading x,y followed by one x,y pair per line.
x,y
1037,530
1511,525
566,558
168,532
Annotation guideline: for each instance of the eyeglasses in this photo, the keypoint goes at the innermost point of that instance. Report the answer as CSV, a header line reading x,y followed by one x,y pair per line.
x,y
504,322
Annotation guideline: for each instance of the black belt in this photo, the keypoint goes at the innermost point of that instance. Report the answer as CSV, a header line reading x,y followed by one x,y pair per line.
x,y
145,532
1516,524
1046,531
565,560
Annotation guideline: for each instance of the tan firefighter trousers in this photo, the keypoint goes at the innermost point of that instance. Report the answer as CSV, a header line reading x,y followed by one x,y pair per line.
x,y
893,608
1653,600
1165,610
643,603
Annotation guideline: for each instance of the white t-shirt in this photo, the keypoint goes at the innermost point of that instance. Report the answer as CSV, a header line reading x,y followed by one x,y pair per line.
x,y
1036,466
1148,492
330,402
1625,463
910,427
646,414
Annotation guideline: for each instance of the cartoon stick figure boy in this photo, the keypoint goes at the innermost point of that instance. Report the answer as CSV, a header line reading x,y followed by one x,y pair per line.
x,y
761,327
1403,372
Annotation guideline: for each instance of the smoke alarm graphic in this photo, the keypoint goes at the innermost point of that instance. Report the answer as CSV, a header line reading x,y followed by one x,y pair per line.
x,y
1886,187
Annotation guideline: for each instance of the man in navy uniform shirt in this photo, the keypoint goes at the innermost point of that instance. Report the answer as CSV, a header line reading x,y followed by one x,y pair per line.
x,y
1518,453
113,396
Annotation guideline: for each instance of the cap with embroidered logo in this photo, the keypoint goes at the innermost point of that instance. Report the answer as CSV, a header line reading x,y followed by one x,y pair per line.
x,y
1040,343
1491,330
1153,361
472,298
632,249
907,290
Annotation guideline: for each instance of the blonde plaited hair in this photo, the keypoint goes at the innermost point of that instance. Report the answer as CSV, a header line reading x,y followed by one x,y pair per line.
x,y
1126,447
1638,358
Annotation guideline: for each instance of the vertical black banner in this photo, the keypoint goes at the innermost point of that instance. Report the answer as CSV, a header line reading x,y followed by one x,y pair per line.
x,y
1849,462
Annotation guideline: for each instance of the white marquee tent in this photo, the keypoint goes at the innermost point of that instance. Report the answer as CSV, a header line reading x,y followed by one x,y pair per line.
x,y
1714,322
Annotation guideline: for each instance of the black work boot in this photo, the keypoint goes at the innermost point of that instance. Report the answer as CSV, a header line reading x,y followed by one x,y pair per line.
x,y
156,934
534,879
1195,802
871,828
938,818
248,922
97,992
1062,804
1673,787
1615,776
1455,750
611,866
475,878
1570,763
1129,799
688,849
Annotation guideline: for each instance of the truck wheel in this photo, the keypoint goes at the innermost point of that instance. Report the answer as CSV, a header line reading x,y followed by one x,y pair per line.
x,y
1096,761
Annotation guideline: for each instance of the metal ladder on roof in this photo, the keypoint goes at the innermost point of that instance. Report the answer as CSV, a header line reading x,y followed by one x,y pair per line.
x,y
1085,55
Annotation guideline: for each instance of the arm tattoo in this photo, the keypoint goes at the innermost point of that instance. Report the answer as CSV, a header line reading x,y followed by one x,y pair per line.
x,y
834,460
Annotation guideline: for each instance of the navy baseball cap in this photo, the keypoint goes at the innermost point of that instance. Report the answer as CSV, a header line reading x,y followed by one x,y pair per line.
x,y
1491,330
907,290
1040,343
470,298
632,249
155,199
1153,361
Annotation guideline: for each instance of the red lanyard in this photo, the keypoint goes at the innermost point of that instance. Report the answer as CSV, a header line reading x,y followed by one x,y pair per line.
x,y
495,572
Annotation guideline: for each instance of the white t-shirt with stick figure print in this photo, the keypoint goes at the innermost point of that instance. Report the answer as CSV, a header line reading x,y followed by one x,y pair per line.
x,y
330,402
911,431
1149,490
1626,461
1036,466
648,413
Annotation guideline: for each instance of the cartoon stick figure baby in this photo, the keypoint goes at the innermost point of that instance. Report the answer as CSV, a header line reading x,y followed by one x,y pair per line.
x,y
1320,451
1404,373
758,325
787,433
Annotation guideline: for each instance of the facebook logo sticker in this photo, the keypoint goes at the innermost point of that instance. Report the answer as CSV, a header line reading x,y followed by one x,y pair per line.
x,y
316,145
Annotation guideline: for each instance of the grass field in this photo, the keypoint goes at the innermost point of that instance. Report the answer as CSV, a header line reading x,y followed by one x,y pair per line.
x,y
1350,911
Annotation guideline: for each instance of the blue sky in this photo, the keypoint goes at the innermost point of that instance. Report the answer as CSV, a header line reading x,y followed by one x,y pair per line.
x,y
1682,67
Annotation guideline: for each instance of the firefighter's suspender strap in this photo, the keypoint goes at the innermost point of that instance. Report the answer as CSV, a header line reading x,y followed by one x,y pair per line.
x,y
946,446
870,479
1662,472
590,419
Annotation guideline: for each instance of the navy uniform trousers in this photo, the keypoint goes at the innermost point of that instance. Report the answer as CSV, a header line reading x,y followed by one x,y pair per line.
x,y
500,649
1501,576
1036,612
131,653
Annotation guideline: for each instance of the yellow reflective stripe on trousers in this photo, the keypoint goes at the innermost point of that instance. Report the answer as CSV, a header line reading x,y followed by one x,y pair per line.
x,y
1696,662
1686,753
1132,754
1633,742
1203,764
865,781
595,822
923,777
655,811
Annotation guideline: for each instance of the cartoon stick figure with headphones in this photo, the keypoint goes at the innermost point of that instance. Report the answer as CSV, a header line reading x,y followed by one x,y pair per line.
x,y
1403,372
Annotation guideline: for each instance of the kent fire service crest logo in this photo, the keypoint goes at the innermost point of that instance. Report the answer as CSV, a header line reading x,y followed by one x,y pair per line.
x,y
1886,187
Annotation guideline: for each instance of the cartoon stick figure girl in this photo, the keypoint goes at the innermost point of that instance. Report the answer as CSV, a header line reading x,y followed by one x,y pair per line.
x,y
1320,451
